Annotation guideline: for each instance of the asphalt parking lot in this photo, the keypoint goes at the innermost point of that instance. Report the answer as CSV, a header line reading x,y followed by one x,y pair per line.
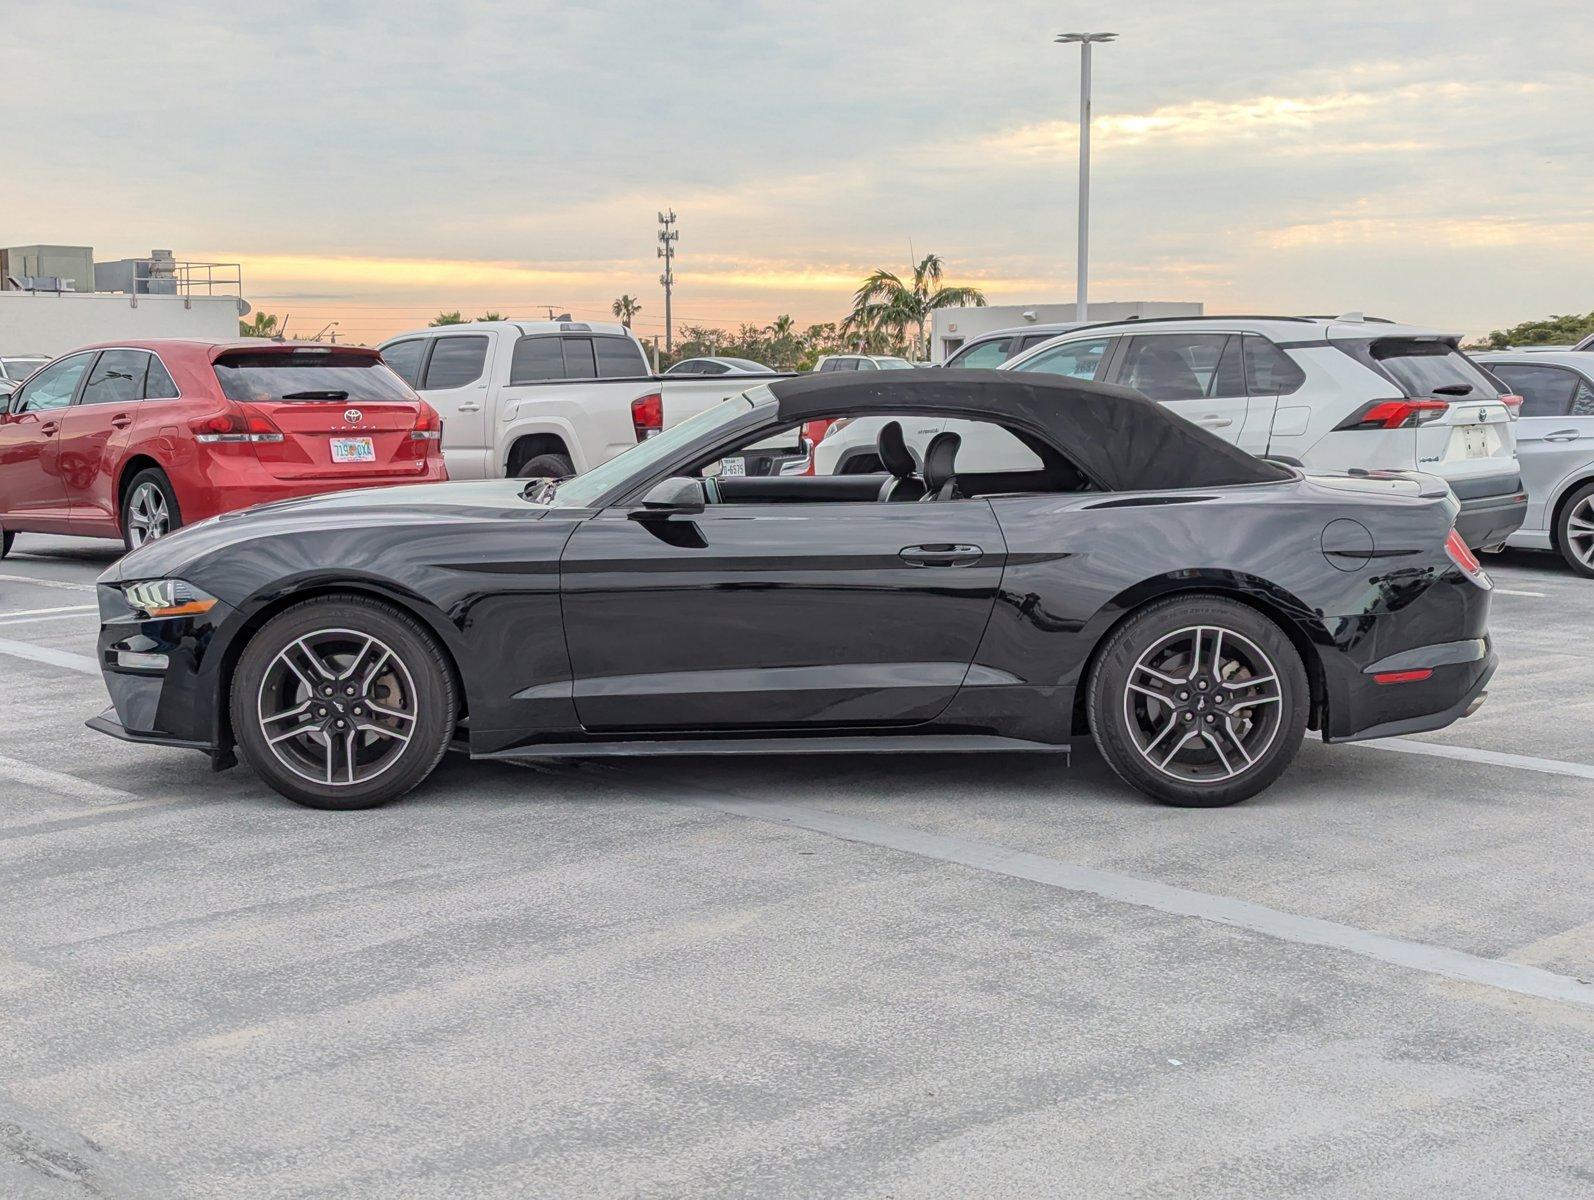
x,y
856,976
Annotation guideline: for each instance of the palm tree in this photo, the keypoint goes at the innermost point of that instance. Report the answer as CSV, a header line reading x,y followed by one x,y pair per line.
x,y
447,318
492,316
625,308
887,304
263,325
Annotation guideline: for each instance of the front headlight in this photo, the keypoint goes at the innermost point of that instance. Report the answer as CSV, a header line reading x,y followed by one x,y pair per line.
x,y
167,598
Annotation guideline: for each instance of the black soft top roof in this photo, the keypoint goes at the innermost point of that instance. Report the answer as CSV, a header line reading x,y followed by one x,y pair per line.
x,y
1118,438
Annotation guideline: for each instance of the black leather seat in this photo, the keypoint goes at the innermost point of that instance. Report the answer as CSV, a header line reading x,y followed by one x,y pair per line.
x,y
940,467
905,483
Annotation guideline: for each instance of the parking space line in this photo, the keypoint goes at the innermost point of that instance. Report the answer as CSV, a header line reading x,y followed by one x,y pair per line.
x,y
1513,592
1492,758
51,657
1165,898
45,614
60,783
48,583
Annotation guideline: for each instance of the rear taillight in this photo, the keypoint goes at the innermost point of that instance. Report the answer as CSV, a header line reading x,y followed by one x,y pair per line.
x,y
238,423
428,425
1461,554
1395,414
647,415
1513,405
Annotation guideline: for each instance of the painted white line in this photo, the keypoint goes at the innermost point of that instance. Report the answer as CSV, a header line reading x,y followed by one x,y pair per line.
x,y
59,614
48,583
61,784
1492,758
54,658
1512,592
1177,901
39,612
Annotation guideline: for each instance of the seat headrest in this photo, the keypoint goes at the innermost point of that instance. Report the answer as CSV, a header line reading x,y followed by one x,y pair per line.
x,y
940,461
893,450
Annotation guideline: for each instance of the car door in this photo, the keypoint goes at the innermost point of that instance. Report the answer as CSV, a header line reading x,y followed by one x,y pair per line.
x,y
454,379
95,426
1199,376
31,487
777,615
1554,432
1269,375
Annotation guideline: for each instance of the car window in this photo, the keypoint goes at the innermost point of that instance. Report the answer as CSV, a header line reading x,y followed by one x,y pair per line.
x,y
1545,391
1269,371
1030,340
117,378
1583,402
579,363
1422,367
18,369
688,366
1174,366
308,375
52,387
709,368
405,359
1076,360
456,362
838,364
987,355
158,382
619,358
535,359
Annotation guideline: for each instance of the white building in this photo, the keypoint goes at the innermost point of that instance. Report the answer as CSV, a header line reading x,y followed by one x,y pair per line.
x,y
52,323
951,327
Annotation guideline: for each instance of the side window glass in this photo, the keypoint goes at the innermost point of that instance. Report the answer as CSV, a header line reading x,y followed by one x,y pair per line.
x,y
1076,360
619,358
405,360
536,359
1268,370
158,382
1229,378
1176,366
52,387
1545,391
1583,402
865,364
579,363
456,362
987,355
117,378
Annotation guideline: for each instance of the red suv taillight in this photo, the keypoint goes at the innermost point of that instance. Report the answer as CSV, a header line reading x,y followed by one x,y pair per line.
x,y
1461,554
1395,414
428,425
647,415
237,423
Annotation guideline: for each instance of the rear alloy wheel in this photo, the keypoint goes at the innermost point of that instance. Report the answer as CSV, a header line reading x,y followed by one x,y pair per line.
x,y
1198,701
343,703
149,509
1574,532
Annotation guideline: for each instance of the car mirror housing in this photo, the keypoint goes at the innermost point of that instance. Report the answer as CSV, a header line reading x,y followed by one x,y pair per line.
x,y
670,497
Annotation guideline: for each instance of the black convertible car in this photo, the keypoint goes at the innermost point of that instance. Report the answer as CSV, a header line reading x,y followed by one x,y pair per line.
x,y
1111,569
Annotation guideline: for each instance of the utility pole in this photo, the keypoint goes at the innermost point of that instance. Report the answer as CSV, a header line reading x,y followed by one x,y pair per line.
x,y
667,239
1084,40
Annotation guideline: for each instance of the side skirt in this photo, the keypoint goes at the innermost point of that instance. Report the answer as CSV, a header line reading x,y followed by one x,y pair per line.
x,y
853,744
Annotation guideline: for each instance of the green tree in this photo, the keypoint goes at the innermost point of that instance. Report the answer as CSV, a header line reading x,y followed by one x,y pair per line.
x,y
886,307
486,316
447,318
625,308
261,325
1557,330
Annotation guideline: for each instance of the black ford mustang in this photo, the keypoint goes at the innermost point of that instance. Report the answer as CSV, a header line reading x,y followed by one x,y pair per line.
x,y
1121,573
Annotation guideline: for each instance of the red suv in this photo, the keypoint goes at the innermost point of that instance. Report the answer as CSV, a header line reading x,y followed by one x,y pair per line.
x,y
136,439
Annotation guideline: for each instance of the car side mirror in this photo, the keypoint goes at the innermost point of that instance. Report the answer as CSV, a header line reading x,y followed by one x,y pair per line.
x,y
670,497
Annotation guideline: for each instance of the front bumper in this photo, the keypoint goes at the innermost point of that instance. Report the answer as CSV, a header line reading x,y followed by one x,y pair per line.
x,y
1492,509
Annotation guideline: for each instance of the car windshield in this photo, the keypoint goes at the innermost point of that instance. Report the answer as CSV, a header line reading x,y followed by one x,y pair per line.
x,y
307,375
588,489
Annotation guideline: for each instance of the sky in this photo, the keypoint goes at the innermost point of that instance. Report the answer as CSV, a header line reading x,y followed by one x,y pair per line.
x,y
373,164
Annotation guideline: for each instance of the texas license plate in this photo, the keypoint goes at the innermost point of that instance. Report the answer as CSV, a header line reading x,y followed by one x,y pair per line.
x,y
733,466
353,450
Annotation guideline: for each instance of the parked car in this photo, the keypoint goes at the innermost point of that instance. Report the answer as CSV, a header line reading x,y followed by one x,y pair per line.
x,y
14,368
1326,393
861,362
991,350
1149,584
531,399
719,366
136,439
1555,445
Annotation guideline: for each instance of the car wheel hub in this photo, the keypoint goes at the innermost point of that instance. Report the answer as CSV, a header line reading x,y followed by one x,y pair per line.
x,y
147,515
1580,531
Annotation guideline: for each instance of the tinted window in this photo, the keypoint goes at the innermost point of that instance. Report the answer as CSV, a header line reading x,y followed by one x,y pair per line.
x,y
1076,360
405,359
619,358
984,354
1174,366
456,361
838,364
1269,371
117,378
53,386
266,375
158,384
579,363
18,369
1033,339
1230,377
535,359
1545,391
1583,402
1422,367
690,366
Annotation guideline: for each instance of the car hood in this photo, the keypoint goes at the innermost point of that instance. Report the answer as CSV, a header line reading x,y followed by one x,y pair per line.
x,y
388,509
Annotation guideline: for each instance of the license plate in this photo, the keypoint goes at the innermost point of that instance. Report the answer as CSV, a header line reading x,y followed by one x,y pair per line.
x,y
1474,443
353,450
733,466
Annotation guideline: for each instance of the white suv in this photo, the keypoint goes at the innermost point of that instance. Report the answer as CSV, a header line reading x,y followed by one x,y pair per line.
x,y
1325,393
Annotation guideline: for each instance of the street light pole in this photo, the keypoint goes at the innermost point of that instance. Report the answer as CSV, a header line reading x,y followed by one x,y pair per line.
x,y
1081,286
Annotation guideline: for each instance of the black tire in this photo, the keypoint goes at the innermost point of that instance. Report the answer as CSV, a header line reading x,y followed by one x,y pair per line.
x,y
1211,771
141,494
6,538
1569,540
421,682
544,466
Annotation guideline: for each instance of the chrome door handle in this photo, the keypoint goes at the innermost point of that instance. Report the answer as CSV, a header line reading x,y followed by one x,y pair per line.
x,y
1213,421
941,554
1562,435
468,406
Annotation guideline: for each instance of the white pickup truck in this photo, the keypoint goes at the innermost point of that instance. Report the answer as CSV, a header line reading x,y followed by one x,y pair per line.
x,y
548,398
